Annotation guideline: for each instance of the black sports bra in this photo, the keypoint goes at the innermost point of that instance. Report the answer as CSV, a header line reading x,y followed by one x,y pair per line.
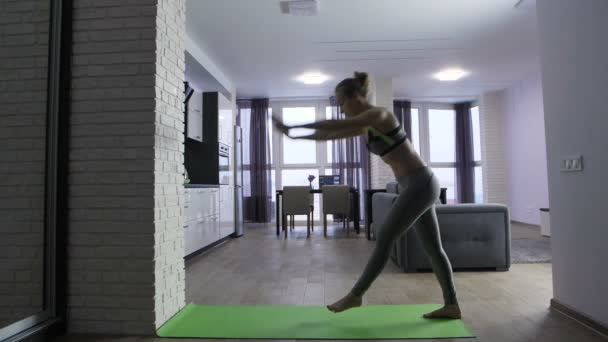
x,y
382,143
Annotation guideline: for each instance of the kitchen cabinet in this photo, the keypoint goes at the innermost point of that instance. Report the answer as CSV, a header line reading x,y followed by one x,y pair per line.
x,y
195,117
201,218
225,120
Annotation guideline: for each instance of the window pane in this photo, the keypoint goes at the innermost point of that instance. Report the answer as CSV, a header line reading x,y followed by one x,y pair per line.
x,y
476,133
447,179
299,151
478,185
415,138
270,130
330,146
246,183
273,198
246,126
300,177
442,132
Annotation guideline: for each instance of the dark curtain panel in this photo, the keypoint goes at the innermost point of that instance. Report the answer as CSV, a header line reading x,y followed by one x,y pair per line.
x,y
403,111
350,159
259,204
464,153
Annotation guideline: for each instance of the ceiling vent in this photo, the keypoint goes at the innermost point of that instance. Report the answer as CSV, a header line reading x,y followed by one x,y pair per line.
x,y
300,7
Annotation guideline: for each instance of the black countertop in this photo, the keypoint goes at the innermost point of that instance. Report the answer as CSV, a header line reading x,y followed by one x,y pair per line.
x,y
201,186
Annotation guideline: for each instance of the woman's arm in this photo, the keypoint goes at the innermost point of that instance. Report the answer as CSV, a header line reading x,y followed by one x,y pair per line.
x,y
331,135
359,122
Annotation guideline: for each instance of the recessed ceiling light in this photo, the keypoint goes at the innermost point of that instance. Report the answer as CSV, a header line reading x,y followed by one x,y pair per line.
x,y
312,78
450,74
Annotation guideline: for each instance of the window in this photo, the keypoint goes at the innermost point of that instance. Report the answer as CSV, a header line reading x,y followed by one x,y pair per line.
x,y
329,111
442,135
477,155
245,125
442,148
299,151
434,137
478,185
447,179
415,138
476,134
293,159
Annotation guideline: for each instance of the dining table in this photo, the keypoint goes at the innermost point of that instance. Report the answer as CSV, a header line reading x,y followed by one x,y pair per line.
x,y
355,198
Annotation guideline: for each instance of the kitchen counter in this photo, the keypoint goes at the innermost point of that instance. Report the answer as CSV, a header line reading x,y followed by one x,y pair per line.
x,y
201,186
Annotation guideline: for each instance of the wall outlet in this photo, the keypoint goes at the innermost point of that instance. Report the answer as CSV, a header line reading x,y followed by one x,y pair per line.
x,y
571,164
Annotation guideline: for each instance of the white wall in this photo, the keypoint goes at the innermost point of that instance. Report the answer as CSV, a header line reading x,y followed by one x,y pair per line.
x,y
525,150
575,73
210,66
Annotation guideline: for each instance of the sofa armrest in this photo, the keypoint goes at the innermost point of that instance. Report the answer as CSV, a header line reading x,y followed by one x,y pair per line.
x,y
477,223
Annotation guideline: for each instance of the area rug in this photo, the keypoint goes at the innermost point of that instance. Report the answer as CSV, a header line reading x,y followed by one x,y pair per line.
x,y
531,251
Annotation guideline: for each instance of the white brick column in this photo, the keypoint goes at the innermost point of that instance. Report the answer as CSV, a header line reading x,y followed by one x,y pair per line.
x,y
170,276
126,271
492,112
381,95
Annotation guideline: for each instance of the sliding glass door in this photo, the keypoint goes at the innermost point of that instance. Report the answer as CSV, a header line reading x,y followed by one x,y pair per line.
x,y
32,174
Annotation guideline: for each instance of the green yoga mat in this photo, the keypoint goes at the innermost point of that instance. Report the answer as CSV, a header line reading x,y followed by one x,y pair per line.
x,y
311,322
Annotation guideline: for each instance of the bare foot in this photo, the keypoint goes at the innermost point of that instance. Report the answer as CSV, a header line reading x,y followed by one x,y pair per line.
x,y
449,311
349,301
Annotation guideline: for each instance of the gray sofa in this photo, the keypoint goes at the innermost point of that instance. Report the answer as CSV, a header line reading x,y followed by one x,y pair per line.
x,y
474,236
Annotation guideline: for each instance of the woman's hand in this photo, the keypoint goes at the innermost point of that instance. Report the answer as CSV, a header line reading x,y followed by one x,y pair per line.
x,y
280,125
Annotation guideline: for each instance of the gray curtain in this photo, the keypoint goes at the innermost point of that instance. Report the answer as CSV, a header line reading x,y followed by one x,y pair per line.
x,y
258,206
465,178
403,111
350,155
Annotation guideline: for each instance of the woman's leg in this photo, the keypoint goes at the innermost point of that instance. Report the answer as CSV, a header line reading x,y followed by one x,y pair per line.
x,y
419,196
427,229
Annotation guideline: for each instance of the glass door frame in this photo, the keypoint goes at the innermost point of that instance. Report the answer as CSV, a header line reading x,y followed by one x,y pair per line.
x,y
51,320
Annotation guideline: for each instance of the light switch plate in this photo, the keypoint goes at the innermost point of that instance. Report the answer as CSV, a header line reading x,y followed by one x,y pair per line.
x,y
571,164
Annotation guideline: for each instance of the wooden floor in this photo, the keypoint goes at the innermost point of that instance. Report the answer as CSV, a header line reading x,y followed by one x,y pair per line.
x,y
260,268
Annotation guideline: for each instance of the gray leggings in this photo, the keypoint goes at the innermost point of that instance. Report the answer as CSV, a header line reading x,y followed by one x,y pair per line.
x,y
416,202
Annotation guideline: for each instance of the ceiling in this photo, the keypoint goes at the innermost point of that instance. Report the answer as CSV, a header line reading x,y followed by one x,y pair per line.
x,y
262,50
200,79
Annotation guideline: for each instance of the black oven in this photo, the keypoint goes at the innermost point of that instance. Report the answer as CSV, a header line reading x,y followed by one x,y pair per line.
x,y
224,163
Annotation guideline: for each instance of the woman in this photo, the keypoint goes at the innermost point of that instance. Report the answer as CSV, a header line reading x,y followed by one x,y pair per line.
x,y
386,138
